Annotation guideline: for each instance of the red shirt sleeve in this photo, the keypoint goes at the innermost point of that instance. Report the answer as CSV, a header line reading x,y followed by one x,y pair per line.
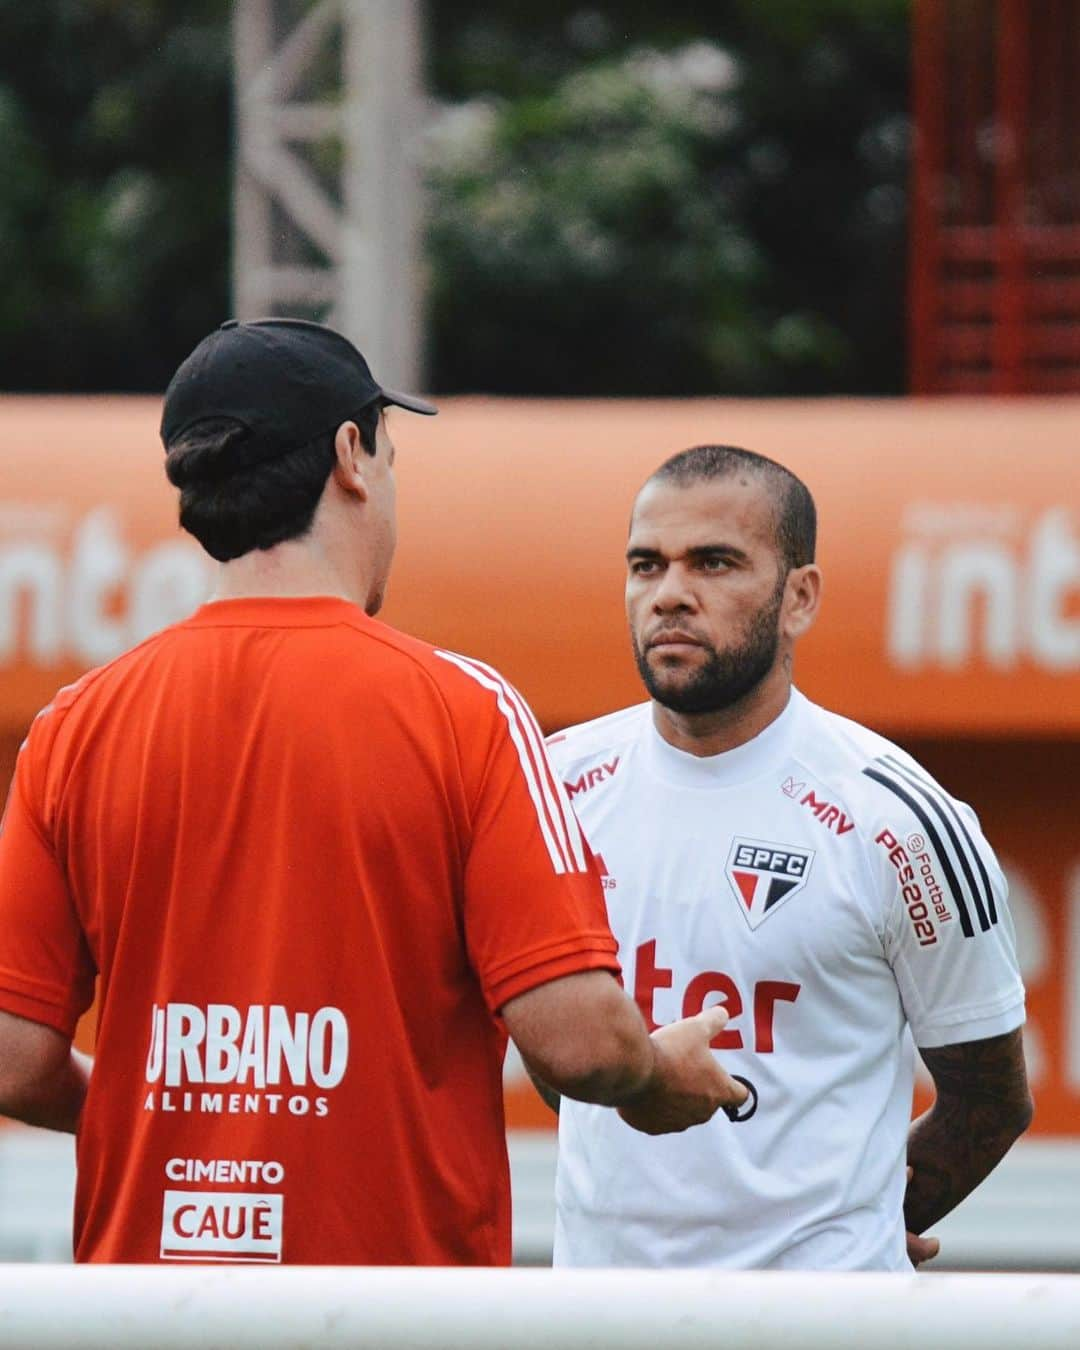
x,y
46,971
534,903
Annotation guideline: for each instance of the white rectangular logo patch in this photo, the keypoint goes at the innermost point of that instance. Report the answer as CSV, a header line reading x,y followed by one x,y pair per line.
x,y
221,1226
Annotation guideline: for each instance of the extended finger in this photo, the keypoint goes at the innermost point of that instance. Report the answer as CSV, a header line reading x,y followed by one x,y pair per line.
x,y
715,1019
747,1108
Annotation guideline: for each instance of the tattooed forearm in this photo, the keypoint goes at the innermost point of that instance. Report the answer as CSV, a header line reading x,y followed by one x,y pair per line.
x,y
983,1105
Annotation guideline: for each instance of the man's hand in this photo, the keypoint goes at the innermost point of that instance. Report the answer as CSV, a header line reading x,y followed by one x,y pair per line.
x,y
687,1086
920,1249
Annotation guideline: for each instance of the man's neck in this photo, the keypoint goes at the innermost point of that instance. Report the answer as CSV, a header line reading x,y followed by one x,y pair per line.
x,y
711,733
287,570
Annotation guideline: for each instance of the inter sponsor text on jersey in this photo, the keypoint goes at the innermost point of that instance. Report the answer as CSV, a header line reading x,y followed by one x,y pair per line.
x,y
838,900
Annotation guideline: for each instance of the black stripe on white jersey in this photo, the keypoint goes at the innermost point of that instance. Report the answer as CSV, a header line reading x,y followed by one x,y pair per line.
x,y
900,791
931,788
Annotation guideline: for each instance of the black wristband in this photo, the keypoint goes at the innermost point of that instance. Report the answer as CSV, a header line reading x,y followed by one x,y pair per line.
x,y
737,1114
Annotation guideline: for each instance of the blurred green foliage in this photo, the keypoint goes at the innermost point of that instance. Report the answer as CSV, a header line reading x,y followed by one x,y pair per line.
x,y
688,198
115,145
622,198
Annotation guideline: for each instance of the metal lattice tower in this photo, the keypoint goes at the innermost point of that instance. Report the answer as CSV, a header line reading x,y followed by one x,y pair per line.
x,y
326,206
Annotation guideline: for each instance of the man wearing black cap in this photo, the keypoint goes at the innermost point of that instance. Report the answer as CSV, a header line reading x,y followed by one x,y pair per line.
x,y
318,869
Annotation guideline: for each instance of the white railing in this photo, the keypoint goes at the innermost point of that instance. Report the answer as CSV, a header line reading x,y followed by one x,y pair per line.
x,y
133,1307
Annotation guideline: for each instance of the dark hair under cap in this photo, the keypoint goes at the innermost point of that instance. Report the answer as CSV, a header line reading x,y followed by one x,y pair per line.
x,y
286,381
249,428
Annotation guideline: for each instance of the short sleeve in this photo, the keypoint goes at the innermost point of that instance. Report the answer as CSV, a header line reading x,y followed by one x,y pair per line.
x,y
46,972
947,929
534,906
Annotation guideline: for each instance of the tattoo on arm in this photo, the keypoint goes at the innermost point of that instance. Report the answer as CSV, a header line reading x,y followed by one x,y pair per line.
x,y
983,1105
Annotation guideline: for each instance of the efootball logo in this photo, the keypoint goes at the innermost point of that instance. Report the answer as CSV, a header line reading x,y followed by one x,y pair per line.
x,y
764,875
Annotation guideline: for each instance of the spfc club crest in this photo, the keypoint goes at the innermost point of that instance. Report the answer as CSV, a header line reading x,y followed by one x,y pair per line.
x,y
764,875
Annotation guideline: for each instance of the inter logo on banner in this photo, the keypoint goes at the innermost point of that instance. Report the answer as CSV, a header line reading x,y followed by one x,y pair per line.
x,y
763,875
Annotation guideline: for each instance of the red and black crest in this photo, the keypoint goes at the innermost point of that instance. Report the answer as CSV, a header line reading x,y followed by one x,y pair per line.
x,y
763,875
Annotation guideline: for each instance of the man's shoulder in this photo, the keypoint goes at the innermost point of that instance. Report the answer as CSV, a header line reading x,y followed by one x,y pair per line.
x,y
81,693
841,746
870,772
462,681
457,681
474,688
602,736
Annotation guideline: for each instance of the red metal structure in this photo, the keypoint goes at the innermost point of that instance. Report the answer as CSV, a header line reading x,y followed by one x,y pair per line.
x,y
995,272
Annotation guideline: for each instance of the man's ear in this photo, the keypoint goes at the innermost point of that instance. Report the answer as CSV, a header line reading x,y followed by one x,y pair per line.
x,y
801,600
350,471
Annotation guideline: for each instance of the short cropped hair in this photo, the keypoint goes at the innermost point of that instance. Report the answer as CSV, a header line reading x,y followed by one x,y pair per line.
x,y
796,515
232,506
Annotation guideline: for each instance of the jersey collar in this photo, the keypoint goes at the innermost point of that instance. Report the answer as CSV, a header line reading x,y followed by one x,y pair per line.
x,y
277,611
768,749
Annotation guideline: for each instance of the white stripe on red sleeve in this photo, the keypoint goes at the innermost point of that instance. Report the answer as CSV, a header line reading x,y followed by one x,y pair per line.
x,y
554,782
564,857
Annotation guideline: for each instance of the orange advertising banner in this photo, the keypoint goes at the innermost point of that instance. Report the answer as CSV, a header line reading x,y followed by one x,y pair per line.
x,y
950,542
949,539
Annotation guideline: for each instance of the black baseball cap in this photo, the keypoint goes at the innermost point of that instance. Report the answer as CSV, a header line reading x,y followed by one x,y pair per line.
x,y
287,380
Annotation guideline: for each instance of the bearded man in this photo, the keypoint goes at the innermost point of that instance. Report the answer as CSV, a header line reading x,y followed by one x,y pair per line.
x,y
762,852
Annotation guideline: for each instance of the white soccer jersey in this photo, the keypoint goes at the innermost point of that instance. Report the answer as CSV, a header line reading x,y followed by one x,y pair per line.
x,y
825,886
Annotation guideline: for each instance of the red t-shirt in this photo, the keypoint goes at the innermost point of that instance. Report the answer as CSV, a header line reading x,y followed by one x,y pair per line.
x,y
308,859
